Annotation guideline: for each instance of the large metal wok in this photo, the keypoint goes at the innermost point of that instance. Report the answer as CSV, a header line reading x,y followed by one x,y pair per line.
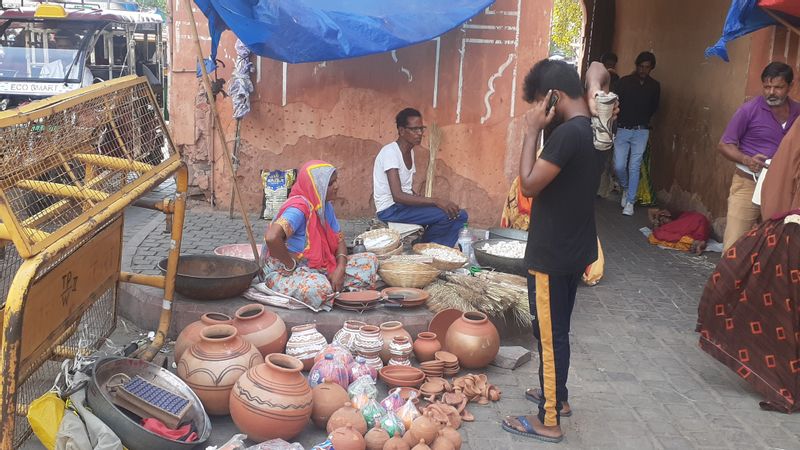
x,y
212,277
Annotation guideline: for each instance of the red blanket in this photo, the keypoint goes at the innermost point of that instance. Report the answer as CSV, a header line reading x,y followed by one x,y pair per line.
x,y
692,224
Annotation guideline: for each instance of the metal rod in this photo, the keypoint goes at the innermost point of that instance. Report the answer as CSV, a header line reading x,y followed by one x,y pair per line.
x,y
782,21
235,163
220,133
62,190
111,162
156,281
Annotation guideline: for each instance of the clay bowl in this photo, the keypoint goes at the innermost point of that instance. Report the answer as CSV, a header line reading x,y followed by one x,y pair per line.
x,y
432,364
431,388
367,296
448,358
393,382
402,372
406,297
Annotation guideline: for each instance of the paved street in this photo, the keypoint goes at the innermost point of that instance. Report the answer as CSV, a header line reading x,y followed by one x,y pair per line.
x,y
638,379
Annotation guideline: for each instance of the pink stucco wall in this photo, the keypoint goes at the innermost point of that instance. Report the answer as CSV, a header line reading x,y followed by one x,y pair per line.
x,y
468,82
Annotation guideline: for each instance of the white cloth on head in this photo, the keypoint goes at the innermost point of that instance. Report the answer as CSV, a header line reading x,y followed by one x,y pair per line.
x,y
390,157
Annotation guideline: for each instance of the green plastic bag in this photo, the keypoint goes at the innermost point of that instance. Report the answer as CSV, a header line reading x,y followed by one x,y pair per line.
x,y
44,415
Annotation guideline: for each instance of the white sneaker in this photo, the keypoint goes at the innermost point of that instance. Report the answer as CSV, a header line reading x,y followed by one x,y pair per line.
x,y
623,202
628,211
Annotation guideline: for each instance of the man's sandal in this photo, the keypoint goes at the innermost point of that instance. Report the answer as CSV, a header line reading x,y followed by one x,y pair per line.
x,y
528,430
535,395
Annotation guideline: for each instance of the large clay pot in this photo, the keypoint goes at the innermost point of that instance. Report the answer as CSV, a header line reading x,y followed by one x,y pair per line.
x,y
369,345
191,333
451,435
272,400
346,438
396,443
212,366
426,345
262,328
328,397
400,351
421,446
389,330
473,339
347,415
346,337
376,438
442,443
424,427
305,343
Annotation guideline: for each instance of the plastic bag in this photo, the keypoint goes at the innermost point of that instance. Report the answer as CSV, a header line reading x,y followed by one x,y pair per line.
x,y
393,401
372,412
364,385
392,424
45,415
276,444
276,185
234,443
408,412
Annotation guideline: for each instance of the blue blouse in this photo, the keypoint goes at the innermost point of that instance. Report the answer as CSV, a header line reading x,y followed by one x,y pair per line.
x,y
293,223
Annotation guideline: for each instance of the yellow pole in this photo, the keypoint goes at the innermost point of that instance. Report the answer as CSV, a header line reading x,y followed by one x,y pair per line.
x,y
62,190
111,162
220,133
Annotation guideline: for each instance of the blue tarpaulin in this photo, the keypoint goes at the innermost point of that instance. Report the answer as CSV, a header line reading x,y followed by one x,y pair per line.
x,y
744,16
297,31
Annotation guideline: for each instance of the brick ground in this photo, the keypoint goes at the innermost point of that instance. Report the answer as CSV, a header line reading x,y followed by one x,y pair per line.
x,y
638,379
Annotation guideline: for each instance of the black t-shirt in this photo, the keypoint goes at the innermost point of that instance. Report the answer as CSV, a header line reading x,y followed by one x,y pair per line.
x,y
562,238
638,100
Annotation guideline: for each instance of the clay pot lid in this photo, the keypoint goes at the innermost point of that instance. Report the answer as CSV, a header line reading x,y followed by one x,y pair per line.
x,y
359,296
442,321
448,358
432,364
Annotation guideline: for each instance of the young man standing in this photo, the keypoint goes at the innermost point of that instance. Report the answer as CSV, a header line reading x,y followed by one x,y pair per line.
x,y
562,239
393,179
751,138
639,95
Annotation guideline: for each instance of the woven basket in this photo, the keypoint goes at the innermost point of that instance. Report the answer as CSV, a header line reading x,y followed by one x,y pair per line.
x,y
440,263
407,274
390,253
382,250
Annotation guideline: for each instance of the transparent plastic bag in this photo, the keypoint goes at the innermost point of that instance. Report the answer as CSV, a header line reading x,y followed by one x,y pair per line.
x,y
234,443
44,415
276,444
407,413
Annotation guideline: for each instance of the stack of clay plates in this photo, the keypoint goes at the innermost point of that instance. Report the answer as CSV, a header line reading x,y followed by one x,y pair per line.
x,y
450,361
359,301
433,368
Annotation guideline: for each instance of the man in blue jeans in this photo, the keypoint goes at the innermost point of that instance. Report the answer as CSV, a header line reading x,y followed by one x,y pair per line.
x,y
638,100
393,178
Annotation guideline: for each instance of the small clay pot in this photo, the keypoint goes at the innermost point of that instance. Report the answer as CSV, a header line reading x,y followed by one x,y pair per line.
x,y
346,337
305,344
389,330
442,443
396,443
410,438
424,427
190,335
347,438
421,446
426,345
376,438
347,415
326,399
451,435
262,328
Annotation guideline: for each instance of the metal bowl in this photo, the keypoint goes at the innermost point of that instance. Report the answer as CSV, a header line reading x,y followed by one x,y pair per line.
x,y
508,233
499,263
132,435
212,277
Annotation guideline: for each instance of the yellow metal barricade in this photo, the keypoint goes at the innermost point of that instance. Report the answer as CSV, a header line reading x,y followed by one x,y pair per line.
x,y
69,165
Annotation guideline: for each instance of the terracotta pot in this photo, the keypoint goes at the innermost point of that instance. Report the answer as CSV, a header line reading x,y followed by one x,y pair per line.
x,y
191,333
369,345
376,438
272,400
262,328
327,398
474,340
453,436
400,351
410,439
346,438
396,443
426,345
424,427
442,443
346,337
389,330
359,368
329,369
421,446
339,353
347,415
305,343
211,366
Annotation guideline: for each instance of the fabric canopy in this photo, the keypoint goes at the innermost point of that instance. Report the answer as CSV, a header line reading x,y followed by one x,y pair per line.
x,y
747,16
299,31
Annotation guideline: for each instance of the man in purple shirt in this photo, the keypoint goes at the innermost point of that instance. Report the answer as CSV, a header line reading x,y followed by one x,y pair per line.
x,y
751,138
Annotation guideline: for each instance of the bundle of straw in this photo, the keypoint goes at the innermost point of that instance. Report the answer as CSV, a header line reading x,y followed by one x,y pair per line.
x,y
434,140
495,294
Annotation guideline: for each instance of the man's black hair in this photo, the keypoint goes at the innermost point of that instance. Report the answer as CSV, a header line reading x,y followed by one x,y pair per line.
x,y
646,57
402,117
549,74
777,69
608,56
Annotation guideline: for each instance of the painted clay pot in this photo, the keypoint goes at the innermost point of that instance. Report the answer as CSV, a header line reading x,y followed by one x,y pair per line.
x,y
346,438
451,435
396,443
305,343
347,414
211,366
359,368
191,333
400,351
327,398
369,345
272,400
389,330
473,339
262,328
376,438
339,353
424,427
329,369
442,443
346,337
426,345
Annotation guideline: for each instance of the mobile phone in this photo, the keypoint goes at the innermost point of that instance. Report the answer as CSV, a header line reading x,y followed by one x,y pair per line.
x,y
551,103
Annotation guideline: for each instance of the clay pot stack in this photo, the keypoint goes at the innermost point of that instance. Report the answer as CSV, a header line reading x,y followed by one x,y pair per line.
x,y
450,363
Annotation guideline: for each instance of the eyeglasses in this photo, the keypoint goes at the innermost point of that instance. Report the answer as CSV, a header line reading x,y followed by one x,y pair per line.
x,y
416,129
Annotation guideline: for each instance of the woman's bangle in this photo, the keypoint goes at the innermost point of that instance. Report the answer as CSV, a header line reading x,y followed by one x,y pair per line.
x,y
294,266
341,254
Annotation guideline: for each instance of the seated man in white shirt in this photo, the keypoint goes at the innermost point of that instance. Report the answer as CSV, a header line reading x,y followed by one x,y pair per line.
x,y
395,199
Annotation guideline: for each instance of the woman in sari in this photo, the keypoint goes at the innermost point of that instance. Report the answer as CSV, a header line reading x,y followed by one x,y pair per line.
x,y
306,256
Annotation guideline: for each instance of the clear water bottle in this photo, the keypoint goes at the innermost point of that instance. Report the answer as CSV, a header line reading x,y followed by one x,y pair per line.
x,y
465,242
